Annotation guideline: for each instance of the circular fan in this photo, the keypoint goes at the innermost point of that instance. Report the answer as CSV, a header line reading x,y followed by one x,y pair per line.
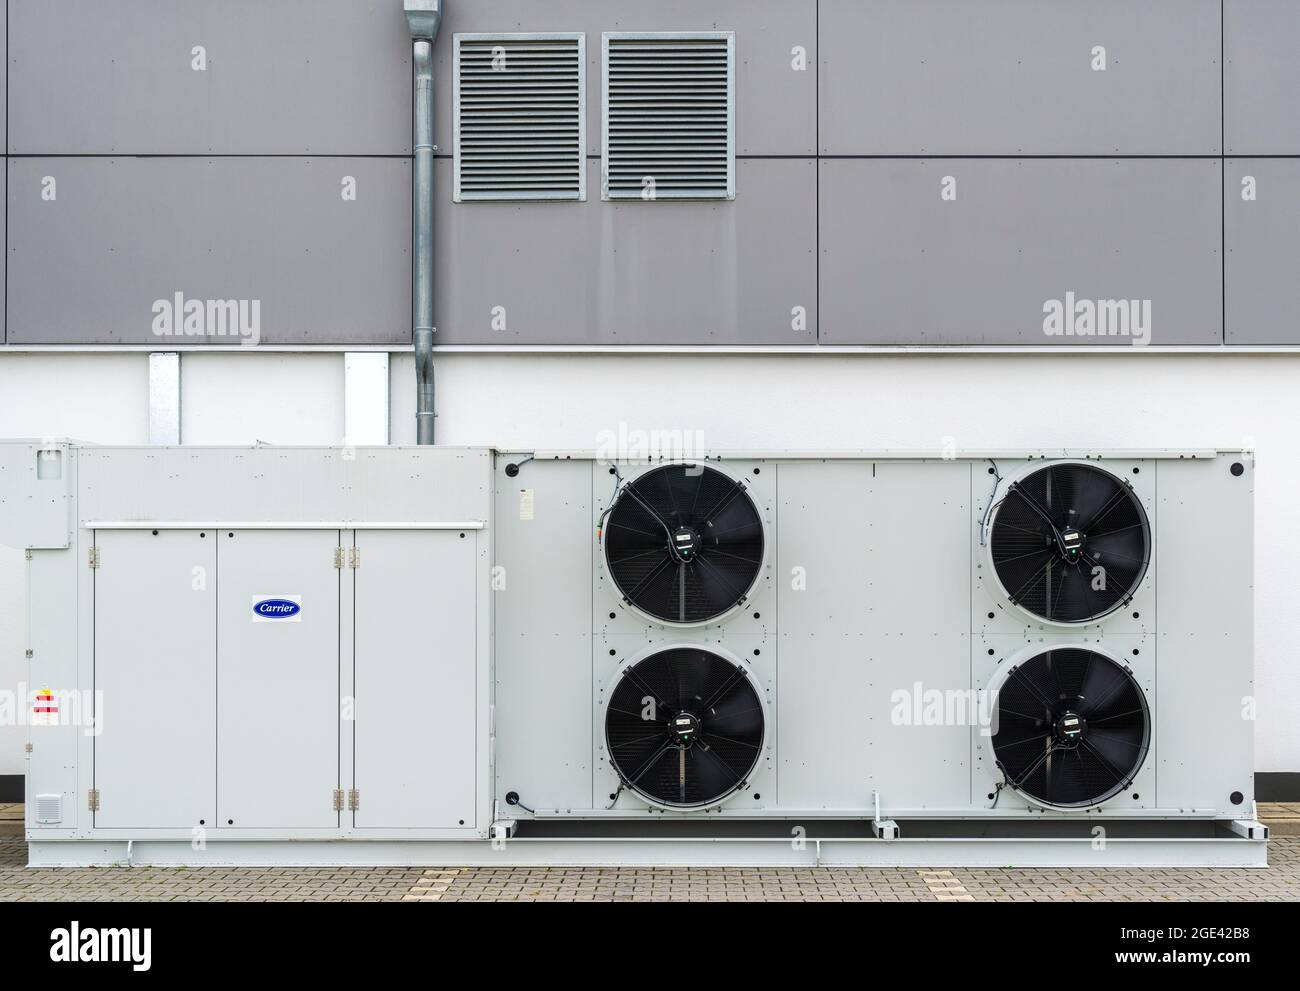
x,y
684,727
1070,543
1073,728
684,543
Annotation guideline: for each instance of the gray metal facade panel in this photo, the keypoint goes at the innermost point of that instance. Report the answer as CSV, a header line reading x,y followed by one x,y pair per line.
x,y
4,76
4,269
902,265
1263,244
629,272
320,77
1261,77
776,104
126,234
1010,77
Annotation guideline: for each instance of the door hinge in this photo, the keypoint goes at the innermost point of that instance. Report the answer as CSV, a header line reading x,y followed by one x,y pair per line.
x,y
338,557
29,653
93,799
338,799
28,554
354,557
354,800
94,557
27,748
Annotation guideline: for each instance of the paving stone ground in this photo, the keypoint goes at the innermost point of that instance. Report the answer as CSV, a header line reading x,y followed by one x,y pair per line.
x,y
1279,882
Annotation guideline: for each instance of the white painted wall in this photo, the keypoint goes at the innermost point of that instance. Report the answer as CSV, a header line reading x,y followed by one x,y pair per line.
x,y
815,402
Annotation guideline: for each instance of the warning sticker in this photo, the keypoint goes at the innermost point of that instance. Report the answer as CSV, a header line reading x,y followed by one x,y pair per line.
x,y
525,504
45,709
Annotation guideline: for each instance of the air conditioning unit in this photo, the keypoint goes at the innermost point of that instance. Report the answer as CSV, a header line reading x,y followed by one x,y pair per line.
x,y
519,658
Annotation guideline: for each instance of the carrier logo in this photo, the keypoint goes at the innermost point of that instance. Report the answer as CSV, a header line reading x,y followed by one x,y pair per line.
x,y
1073,317
277,609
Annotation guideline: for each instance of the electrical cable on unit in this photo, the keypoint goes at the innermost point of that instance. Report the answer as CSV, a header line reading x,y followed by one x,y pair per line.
x,y
513,799
988,510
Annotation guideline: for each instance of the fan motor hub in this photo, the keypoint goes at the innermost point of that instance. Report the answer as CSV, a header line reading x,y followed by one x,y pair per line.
x,y
1071,728
684,728
1071,543
686,542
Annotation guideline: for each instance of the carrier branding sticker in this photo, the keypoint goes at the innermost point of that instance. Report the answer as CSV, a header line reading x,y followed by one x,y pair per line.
x,y
45,709
277,609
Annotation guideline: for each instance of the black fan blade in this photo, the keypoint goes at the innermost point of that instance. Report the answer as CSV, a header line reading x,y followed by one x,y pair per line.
x,y
737,716
650,766
674,490
1119,750
711,776
639,543
718,584
1105,684
1128,546
1027,556
632,527
651,759
1090,768
714,512
1089,491
691,679
736,521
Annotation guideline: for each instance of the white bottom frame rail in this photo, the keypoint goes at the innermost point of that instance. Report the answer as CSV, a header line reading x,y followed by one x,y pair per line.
x,y
999,852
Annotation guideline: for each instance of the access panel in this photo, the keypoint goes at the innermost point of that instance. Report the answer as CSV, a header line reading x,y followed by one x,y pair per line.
x,y
197,77
1261,77
155,678
1261,212
172,252
417,697
1020,77
1028,252
278,698
632,272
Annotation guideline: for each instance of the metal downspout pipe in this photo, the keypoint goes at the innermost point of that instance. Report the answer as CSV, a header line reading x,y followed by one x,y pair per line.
x,y
423,17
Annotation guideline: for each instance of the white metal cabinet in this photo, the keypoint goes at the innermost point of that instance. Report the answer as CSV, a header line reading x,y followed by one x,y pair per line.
x,y
277,678
416,717
155,668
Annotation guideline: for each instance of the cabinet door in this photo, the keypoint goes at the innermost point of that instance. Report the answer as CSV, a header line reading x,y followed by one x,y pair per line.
x,y
155,675
416,686
277,678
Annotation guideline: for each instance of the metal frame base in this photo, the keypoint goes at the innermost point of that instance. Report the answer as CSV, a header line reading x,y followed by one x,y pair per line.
x,y
969,851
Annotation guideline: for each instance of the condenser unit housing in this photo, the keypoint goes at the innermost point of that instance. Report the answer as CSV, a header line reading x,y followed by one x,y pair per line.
x,y
438,655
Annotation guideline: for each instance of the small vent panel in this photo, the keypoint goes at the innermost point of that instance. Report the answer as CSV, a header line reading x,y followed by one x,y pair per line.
x,y
520,117
49,808
670,116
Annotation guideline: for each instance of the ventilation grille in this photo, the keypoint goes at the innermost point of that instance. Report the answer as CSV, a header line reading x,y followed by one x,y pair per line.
x,y
520,117
670,116
49,808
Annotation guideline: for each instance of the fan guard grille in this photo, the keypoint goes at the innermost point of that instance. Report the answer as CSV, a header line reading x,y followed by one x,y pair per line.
x,y
684,727
1070,543
1073,728
684,543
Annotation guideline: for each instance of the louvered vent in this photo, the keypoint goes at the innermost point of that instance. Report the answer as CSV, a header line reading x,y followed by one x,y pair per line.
x,y
520,116
49,808
670,113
